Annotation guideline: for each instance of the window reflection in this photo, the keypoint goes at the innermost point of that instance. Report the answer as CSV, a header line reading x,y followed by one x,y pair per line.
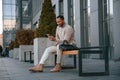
x,y
9,13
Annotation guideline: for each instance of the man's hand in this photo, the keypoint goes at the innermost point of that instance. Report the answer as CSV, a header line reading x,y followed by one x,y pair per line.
x,y
52,38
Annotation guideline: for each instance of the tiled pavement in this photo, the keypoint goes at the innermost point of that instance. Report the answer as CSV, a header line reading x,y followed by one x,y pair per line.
x,y
12,69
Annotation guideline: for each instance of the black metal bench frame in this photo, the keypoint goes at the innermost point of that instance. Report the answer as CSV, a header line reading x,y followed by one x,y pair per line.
x,y
94,50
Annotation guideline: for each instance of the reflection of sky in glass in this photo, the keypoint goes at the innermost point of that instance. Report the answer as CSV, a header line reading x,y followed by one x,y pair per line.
x,y
9,13
9,1
8,9
110,6
88,7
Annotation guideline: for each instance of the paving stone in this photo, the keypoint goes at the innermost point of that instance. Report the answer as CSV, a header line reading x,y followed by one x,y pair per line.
x,y
12,69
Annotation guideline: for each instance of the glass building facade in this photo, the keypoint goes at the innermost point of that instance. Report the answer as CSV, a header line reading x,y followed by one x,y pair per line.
x,y
9,20
23,14
9,15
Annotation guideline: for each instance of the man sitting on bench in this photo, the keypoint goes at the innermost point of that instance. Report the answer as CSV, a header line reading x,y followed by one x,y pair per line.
x,y
63,32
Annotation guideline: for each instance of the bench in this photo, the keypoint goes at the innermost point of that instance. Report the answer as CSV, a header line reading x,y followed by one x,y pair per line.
x,y
69,52
88,50
94,50
73,53
73,50
30,56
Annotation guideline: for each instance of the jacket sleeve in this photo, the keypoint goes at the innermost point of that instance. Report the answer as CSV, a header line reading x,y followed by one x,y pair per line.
x,y
68,33
57,36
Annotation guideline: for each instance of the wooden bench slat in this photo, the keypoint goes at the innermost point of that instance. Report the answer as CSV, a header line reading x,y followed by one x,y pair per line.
x,y
70,52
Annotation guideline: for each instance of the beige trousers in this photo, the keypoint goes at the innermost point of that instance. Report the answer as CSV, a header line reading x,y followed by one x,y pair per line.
x,y
49,51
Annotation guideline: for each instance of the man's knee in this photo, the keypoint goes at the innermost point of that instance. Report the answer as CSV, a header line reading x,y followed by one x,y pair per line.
x,y
50,49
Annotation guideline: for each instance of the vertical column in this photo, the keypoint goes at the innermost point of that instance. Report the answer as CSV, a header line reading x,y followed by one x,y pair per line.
x,y
20,14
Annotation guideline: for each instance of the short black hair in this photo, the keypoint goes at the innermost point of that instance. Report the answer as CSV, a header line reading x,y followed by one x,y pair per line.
x,y
60,16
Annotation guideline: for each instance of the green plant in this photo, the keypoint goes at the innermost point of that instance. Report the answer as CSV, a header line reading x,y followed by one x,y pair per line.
x,y
16,44
25,37
47,23
11,45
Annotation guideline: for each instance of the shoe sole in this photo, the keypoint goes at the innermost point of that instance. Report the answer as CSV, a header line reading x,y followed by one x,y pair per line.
x,y
56,71
35,71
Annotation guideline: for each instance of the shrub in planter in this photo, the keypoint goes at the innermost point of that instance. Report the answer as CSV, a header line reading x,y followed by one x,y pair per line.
x,y
16,44
11,45
47,23
25,37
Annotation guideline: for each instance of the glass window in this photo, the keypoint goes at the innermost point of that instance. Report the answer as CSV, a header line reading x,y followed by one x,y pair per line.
x,y
70,12
7,10
85,12
61,7
7,1
13,10
9,19
6,17
13,1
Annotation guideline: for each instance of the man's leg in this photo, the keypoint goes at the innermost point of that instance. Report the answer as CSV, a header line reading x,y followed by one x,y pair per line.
x,y
47,53
57,67
39,67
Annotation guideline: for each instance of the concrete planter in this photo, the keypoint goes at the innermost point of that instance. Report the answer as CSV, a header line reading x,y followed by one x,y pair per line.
x,y
40,44
11,53
16,53
22,49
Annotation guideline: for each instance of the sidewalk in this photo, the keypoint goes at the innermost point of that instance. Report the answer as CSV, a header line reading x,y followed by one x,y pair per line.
x,y
11,69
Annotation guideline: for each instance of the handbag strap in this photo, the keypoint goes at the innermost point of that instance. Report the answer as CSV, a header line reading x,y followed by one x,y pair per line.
x,y
65,42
